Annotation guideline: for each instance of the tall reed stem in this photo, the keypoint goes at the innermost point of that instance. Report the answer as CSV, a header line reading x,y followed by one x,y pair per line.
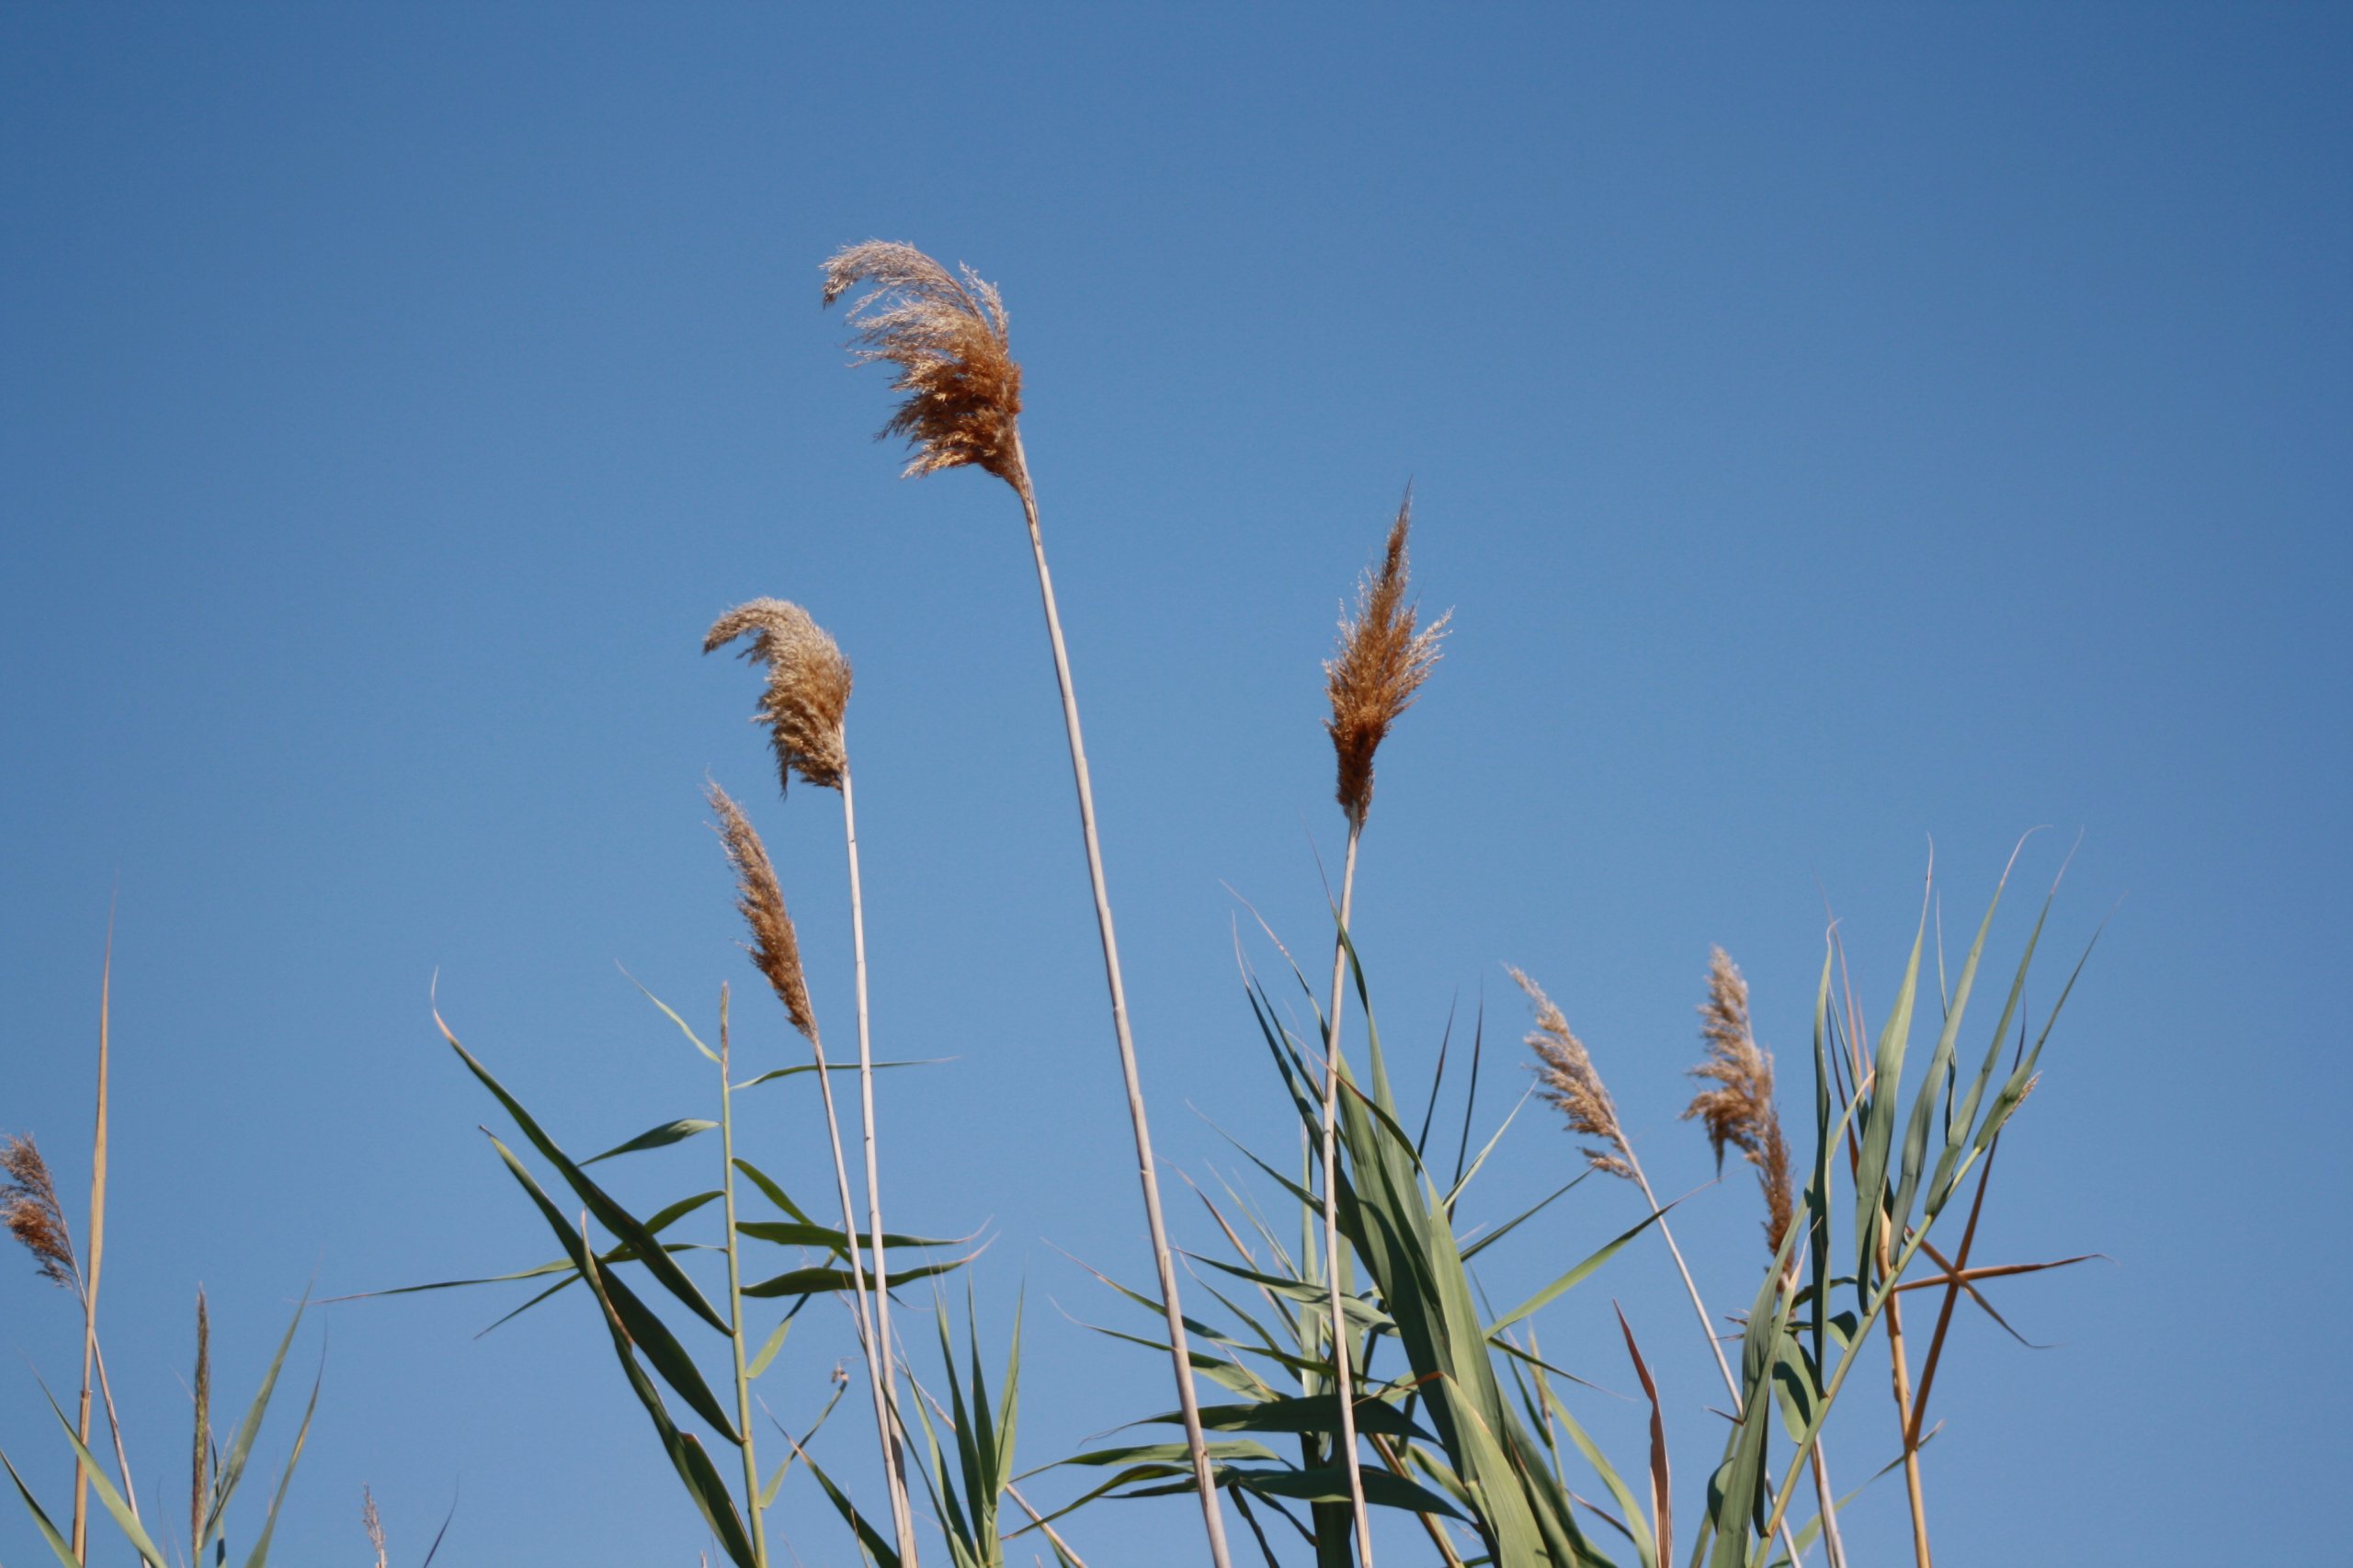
x,y
97,1256
735,1290
902,1514
1340,1378
873,1175
1213,1518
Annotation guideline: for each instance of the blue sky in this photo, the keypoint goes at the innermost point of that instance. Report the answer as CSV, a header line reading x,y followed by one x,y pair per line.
x,y
1832,429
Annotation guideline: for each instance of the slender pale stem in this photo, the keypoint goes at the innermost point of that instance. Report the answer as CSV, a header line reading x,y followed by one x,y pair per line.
x,y
96,1257
1340,1380
1212,1516
1706,1324
901,1515
735,1293
865,1113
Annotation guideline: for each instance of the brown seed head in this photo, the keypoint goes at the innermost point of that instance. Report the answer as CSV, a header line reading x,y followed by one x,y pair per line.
x,y
1383,661
808,687
28,1204
1571,1084
945,334
1738,1109
200,1485
776,947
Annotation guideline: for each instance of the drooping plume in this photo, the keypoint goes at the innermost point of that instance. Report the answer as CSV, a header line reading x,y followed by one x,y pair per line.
x,y
1383,661
776,945
29,1205
1738,1109
1569,1082
807,690
946,336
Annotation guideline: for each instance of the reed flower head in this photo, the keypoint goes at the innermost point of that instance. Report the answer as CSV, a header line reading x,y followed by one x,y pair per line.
x,y
1383,661
374,1525
945,334
30,1207
776,947
1566,1073
808,690
1737,1109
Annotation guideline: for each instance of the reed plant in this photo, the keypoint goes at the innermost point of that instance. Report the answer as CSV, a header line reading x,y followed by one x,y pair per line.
x,y
947,335
34,1212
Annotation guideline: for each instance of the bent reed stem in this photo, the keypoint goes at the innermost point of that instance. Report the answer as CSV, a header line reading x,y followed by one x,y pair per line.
x,y
1180,1353
1340,1378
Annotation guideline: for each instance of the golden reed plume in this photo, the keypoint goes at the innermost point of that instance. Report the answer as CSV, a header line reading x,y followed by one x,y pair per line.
x,y
29,1205
1382,662
776,947
808,691
945,334
1738,1111
1571,1084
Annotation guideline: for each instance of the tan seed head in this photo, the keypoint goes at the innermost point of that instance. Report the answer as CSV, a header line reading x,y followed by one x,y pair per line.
x,y
1383,661
946,336
807,690
1565,1071
29,1205
776,945
1738,1109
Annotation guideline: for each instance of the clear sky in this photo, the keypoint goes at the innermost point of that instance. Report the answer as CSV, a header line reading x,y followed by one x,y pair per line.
x,y
1833,428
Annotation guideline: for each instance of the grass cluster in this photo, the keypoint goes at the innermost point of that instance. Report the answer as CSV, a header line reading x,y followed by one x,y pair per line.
x,y
1340,1355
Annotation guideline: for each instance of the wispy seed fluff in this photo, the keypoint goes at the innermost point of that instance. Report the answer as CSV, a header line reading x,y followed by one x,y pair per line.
x,y
808,690
947,335
1738,1111
29,1207
1568,1080
1383,661
776,947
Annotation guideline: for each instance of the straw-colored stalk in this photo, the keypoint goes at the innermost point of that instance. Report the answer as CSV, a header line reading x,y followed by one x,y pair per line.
x,y
1567,1078
1383,659
946,338
97,1255
776,953
756,1517
1738,1112
804,707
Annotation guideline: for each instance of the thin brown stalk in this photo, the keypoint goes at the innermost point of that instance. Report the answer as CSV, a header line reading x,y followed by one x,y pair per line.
x,y
946,336
776,953
1900,1380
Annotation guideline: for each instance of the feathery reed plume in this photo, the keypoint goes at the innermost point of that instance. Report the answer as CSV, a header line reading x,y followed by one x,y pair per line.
x,y
776,947
808,686
1383,661
200,1464
29,1202
776,953
946,336
373,1526
1738,1112
1571,1084
807,698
